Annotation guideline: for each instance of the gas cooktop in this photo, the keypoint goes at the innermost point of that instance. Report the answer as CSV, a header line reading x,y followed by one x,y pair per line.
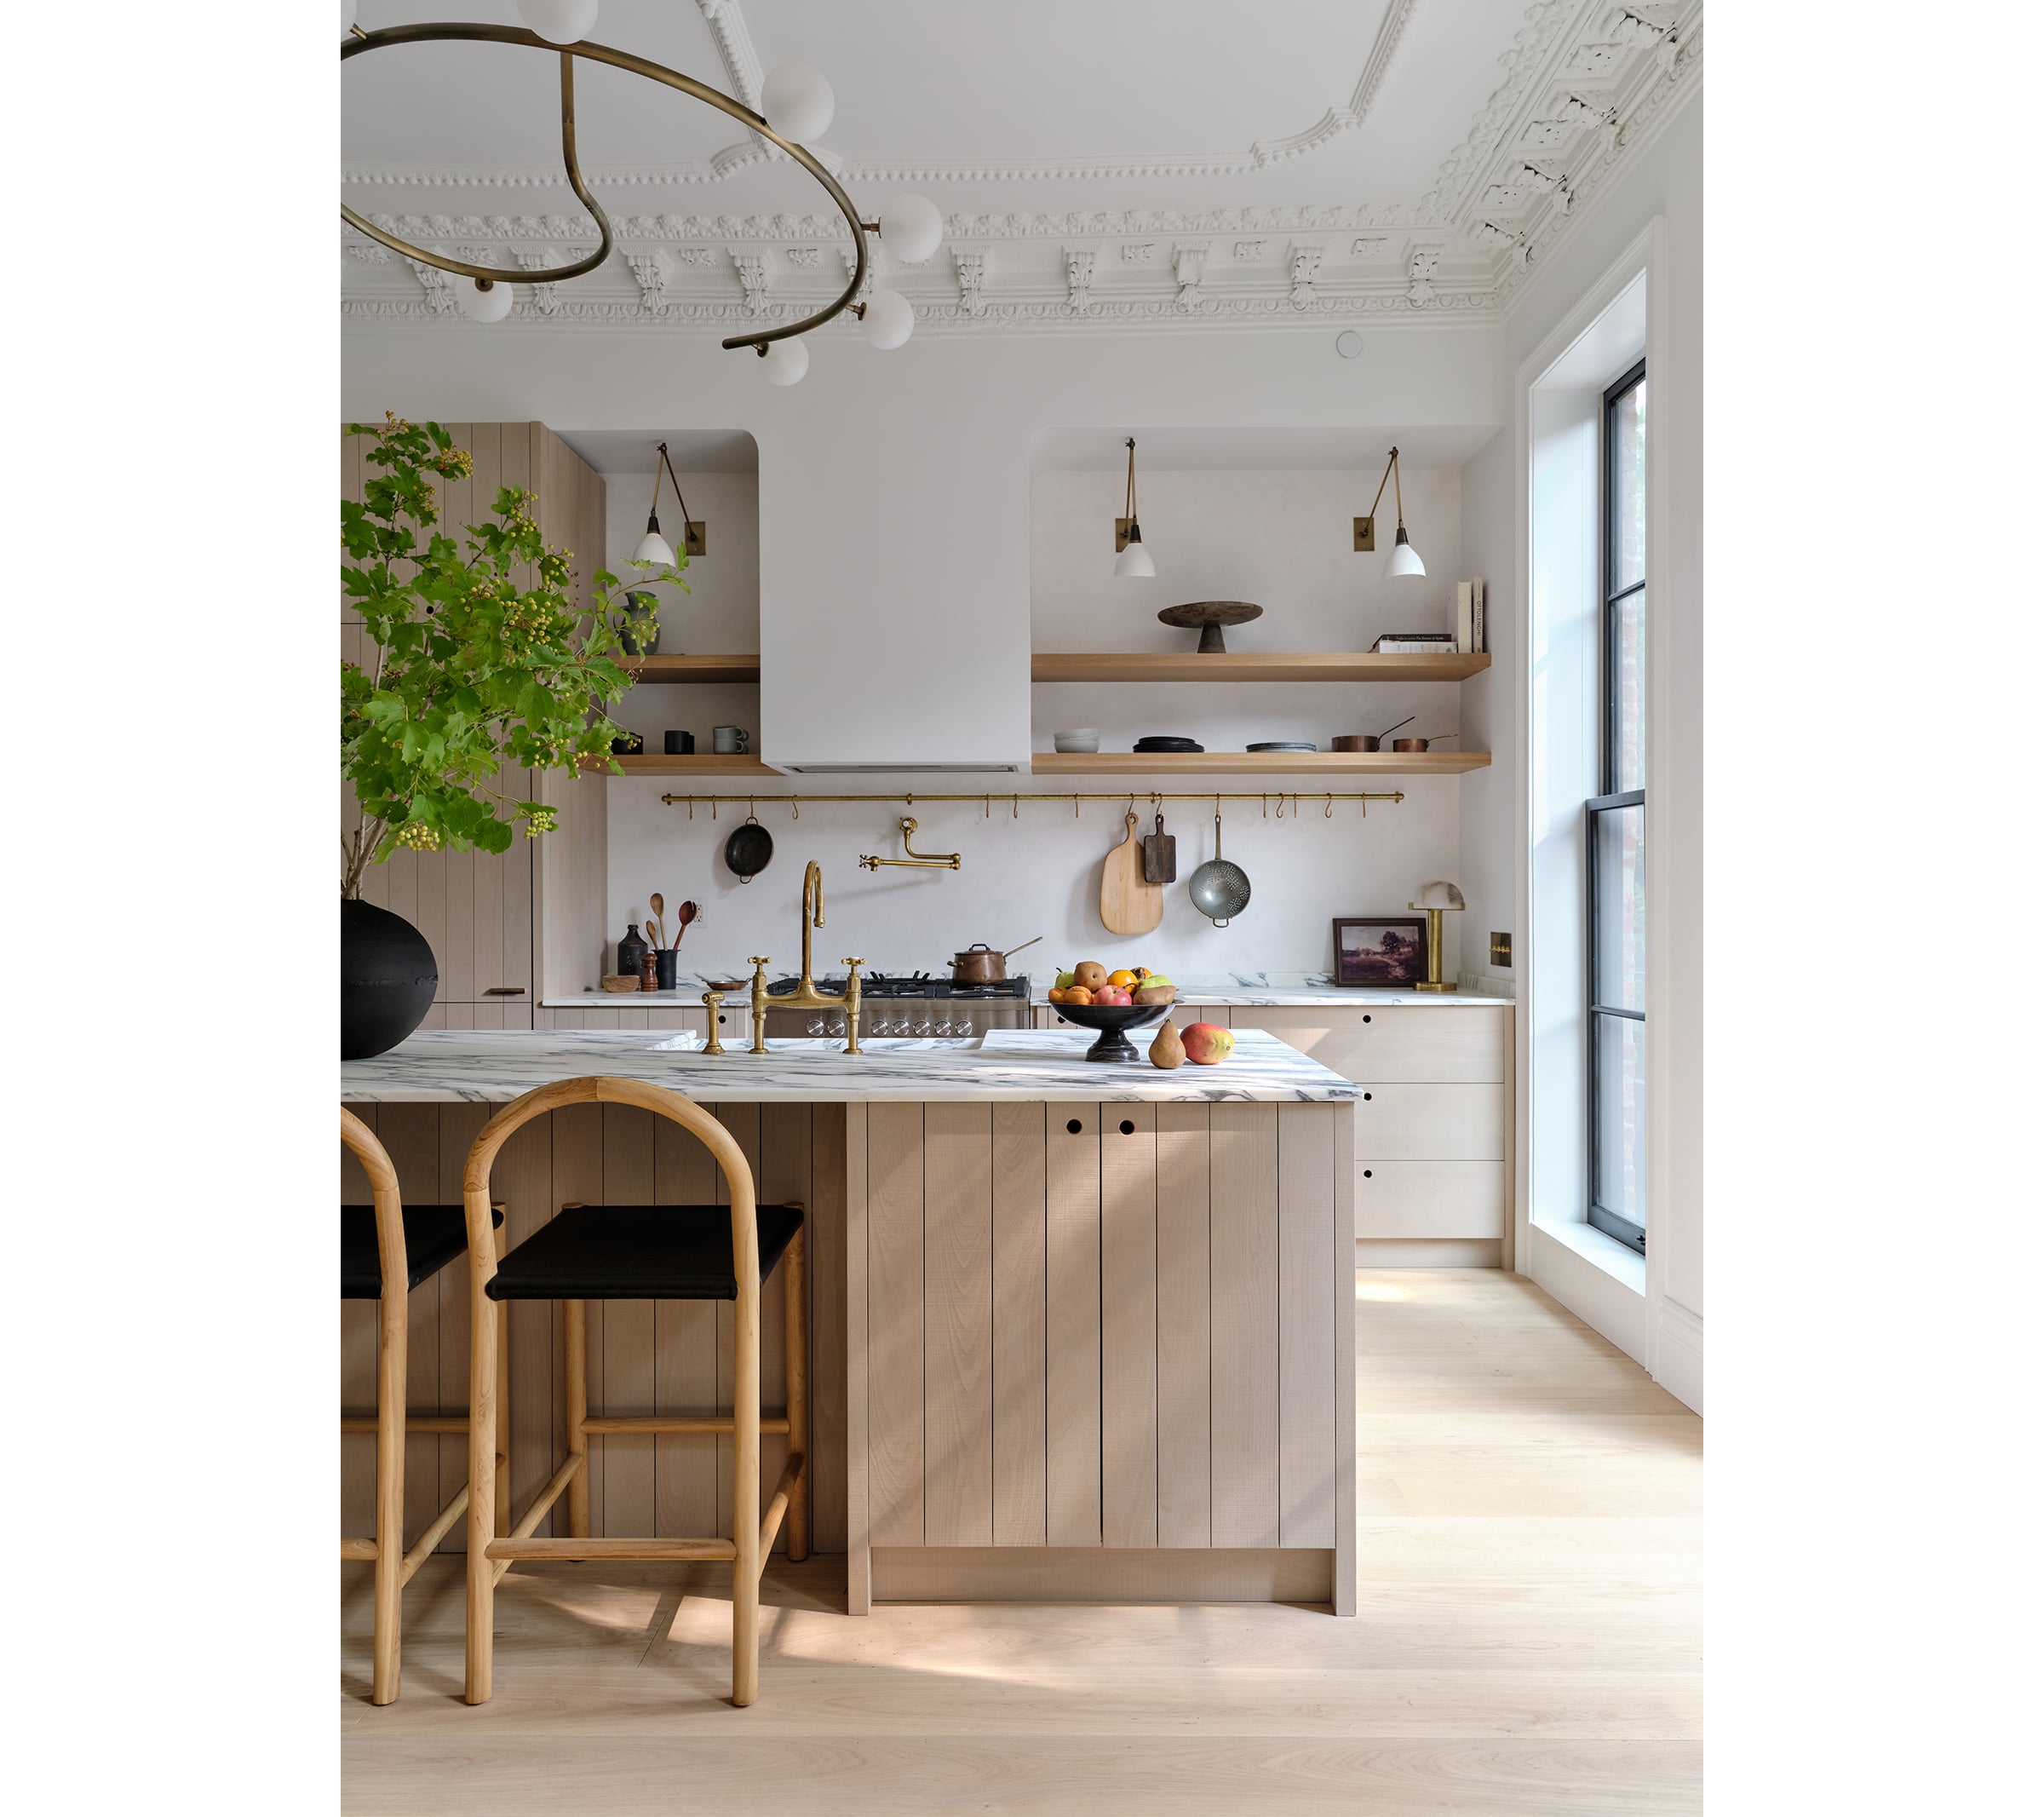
x,y
920,983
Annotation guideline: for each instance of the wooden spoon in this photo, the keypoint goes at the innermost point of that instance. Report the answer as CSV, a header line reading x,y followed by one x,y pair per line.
x,y
686,913
660,932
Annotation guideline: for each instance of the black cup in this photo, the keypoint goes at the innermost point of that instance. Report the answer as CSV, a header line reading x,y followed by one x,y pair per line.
x,y
630,746
663,967
681,743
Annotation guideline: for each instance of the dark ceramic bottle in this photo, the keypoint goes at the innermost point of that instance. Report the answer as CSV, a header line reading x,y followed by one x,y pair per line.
x,y
630,950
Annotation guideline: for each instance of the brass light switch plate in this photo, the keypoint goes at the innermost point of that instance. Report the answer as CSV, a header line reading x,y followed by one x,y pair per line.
x,y
697,540
1121,534
1366,535
1500,949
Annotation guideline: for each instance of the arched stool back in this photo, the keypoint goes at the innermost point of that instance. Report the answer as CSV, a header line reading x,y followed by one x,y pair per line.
x,y
489,1556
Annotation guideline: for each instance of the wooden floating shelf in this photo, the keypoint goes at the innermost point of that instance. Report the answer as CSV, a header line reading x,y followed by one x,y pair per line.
x,y
705,763
1260,665
1258,762
687,668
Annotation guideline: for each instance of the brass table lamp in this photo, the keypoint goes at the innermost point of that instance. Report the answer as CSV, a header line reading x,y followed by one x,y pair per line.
x,y
1434,898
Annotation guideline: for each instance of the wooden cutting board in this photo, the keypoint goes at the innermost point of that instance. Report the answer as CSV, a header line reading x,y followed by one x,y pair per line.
x,y
1127,903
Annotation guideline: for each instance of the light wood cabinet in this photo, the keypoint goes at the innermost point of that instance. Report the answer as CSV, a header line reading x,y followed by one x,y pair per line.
x,y
1433,1123
505,928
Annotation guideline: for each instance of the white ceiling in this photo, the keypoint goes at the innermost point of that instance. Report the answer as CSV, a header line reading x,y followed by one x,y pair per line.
x,y
1094,158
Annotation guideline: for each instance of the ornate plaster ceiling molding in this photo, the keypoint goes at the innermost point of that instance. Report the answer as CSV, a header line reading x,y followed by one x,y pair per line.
x,y
741,63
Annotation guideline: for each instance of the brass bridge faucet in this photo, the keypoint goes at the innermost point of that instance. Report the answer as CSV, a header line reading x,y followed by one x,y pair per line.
x,y
806,996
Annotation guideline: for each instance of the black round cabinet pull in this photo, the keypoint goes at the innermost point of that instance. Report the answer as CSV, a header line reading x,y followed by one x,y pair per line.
x,y
1127,1128
1366,1173
1075,1126
1366,1097
1366,1015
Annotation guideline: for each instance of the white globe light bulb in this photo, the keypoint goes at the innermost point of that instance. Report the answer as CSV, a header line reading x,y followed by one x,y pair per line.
x,y
797,102
479,305
785,362
911,228
559,21
889,320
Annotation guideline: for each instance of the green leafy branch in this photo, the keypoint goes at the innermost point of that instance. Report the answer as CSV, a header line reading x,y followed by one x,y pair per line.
x,y
481,657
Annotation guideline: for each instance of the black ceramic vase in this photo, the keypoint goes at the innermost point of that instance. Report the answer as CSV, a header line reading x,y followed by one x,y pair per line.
x,y
387,978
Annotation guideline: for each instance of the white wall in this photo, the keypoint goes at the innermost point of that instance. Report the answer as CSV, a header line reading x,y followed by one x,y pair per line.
x,y
1665,180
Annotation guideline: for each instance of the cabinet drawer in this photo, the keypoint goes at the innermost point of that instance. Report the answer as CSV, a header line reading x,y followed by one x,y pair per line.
x,y
1443,1045
1430,1199
1430,1122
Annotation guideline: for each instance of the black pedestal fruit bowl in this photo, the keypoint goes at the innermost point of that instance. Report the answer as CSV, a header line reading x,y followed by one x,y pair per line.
x,y
1113,1021
387,978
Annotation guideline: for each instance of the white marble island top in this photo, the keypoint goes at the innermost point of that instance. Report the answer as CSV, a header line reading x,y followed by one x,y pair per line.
x,y
461,1066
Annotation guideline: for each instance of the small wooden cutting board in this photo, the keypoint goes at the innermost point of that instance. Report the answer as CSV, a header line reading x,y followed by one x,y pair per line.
x,y
1127,903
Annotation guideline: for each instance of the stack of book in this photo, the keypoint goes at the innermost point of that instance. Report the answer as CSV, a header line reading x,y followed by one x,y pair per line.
x,y
1413,643
1469,616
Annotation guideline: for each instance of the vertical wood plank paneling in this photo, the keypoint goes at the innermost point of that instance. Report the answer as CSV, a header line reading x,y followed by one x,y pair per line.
x,y
743,1120
827,1326
1184,1464
894,1182
1071,1323
1242,1215
1342,1276
859,1528
460,1125
1127,1324
1306,1333
686,1464
411,1134
578,1179
358,1371
429,916
781,1174
958,1325
1018,1294
629,1368
523,1178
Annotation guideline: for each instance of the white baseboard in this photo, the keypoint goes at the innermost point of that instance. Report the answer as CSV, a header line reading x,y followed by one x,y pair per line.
x,y
1429,1252
1678,1352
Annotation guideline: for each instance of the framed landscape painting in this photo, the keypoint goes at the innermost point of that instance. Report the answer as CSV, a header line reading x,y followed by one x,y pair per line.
x,y
1380,950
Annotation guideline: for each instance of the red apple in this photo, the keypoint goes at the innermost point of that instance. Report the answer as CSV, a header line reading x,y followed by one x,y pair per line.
x,y
1112,993
1207,1043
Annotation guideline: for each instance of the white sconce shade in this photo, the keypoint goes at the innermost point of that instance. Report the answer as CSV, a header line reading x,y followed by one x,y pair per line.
x,y
1133,563
797,102
479,305
654,547
911,228
1404,558
889,320
559,21
786,361
1436,896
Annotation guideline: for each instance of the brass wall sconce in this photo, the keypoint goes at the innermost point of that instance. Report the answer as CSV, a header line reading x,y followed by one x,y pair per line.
x,y
913,859
1404,558
1132,561
695,532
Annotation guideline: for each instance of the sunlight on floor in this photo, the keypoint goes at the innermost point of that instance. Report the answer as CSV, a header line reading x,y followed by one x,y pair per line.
x,y
1377,1289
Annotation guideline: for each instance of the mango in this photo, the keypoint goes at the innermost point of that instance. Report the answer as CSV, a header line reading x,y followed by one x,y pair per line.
x,y
1208,1043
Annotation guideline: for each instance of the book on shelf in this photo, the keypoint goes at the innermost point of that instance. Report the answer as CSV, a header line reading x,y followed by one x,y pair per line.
x,y
1413,643
1478,629
1465,622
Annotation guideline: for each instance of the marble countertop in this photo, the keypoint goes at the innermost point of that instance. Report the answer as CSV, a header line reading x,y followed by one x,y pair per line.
x,y
445,1066
1238,990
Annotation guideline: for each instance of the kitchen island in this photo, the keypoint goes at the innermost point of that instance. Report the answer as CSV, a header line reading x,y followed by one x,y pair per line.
x,y
1080,1332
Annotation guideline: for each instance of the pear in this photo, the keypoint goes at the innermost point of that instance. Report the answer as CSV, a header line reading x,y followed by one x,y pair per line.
x,y
1167,1051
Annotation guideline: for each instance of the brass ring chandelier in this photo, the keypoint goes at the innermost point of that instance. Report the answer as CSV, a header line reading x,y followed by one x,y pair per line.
x,y
910,225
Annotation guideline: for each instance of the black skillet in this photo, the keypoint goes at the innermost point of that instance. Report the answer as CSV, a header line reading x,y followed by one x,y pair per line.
x,y
749,851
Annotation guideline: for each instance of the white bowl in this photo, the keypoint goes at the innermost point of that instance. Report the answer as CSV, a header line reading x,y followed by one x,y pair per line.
x,y
1086,740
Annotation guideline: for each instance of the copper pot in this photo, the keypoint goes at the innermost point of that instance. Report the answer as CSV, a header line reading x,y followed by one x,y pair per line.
x,y
1409,744
980,964
1356,741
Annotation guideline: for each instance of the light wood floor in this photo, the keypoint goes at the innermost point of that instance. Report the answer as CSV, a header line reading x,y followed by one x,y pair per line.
x,y
1528,1640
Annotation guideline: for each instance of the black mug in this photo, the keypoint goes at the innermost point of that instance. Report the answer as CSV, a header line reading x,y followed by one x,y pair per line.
x,y
681,743
663,967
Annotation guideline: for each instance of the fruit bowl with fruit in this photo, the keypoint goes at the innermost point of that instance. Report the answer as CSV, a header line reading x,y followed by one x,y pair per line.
x,y
1112,1002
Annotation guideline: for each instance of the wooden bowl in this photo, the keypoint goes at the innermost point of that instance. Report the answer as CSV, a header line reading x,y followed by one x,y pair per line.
x,y
618,982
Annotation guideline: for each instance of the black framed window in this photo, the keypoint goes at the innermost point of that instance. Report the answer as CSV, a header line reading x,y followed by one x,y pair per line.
x,y
1615,830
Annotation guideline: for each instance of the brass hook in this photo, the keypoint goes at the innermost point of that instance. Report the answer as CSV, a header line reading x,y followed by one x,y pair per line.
x,y
1327,812
1014,807
795,806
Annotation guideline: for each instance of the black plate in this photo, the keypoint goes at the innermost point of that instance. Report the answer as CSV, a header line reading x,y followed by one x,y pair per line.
x,y
1171,743
749,851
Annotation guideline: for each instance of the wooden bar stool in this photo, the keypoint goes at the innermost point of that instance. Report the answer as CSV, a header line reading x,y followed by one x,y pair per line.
x,y
645,1252
382,1243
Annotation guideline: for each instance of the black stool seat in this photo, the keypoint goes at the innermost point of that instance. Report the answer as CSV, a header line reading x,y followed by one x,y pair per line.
x,y
638,1252
434,1236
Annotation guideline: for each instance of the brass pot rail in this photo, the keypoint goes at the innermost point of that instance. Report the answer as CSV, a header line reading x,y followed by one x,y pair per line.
x,y
988,800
